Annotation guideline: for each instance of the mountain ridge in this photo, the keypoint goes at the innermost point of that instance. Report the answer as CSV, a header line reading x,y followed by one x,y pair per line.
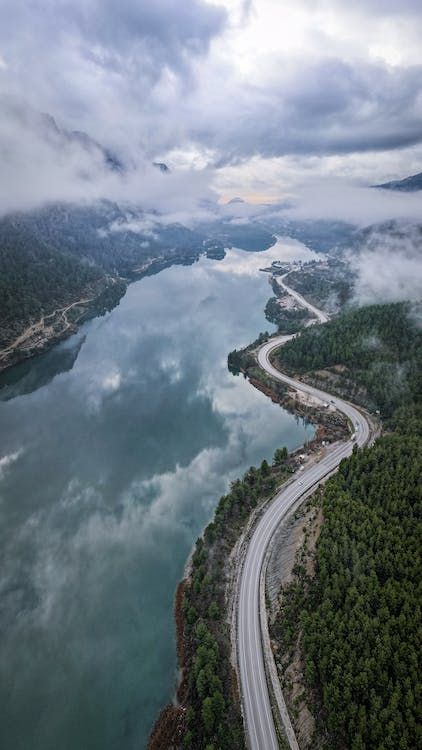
x,y
410,184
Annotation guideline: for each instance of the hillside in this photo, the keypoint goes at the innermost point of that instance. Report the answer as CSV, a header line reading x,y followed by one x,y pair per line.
x,y
55,256
357,617
350,616
372,355
407,185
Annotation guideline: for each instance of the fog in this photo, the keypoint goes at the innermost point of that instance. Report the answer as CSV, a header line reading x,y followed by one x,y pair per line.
x,y
361,205
388,267
212,88
42,163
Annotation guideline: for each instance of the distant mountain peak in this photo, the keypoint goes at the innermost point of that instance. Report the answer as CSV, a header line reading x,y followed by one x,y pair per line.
x,y
407,185
235,200
161,166
45,126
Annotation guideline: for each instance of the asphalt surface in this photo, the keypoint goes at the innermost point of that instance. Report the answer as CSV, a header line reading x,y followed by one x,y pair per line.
x,y
319,314
260,727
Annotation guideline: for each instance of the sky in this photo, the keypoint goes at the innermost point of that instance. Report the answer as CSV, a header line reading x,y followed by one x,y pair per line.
x,y
259,98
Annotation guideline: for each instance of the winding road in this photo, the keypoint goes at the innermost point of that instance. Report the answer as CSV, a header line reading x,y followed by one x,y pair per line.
x,y
321,316
258,715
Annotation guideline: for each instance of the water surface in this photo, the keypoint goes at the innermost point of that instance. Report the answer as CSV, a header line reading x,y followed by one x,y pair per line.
x,y
114,449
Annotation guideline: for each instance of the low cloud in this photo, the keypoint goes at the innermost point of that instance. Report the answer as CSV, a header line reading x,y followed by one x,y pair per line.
x,y
7,461
360,205
388,267
42,163
153,79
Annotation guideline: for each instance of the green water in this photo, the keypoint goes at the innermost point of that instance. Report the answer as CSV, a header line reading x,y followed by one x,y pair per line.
x,y
114,449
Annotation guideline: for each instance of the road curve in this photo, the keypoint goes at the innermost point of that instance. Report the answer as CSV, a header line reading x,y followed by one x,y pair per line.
x,y
319,314
258,717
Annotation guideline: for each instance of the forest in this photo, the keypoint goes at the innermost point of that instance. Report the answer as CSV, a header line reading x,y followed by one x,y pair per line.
x,y
330,287
360,614
36,279
213,719
357,617
376,348
287,320
53,256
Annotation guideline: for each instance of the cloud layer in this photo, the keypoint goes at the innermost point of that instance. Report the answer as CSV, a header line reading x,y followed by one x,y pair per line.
x,y
210,85
388,266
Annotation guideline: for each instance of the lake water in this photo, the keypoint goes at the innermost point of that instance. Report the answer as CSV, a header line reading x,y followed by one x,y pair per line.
x,y
115,447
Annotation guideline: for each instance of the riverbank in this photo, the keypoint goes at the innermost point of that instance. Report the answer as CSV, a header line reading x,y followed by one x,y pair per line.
x,y
341,612
226,546
94,300
211,586
41,335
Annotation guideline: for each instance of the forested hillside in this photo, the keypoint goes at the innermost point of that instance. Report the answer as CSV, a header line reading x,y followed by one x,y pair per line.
x,y
51,256
354,604
35,279
376,348
360,613
116,239
330,287
407,185
54,256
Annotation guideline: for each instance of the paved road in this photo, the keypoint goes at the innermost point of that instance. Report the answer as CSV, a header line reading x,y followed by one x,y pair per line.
x,y
319,314
260,728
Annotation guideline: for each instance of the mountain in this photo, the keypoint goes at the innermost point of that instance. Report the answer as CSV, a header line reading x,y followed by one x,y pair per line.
x,y
111,160
44,127
407,185
161,166
388,234
321,235
64,263
114,238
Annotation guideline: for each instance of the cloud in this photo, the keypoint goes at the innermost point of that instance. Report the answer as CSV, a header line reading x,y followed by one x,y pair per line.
x,y
314,107
211,84
7,461
112,382
95,42
384,7
388,266
42,163
342,200
144,225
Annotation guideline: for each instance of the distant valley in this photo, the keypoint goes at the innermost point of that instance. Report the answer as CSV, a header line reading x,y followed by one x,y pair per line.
x,y
64,263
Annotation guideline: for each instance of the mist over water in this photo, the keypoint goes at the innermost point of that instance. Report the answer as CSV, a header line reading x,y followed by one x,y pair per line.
x,y
114,450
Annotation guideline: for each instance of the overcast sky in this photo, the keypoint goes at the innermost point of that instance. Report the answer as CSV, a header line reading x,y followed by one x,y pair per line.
x,y
262,96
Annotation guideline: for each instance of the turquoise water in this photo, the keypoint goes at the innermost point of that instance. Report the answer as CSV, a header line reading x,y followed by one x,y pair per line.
x,y
114,449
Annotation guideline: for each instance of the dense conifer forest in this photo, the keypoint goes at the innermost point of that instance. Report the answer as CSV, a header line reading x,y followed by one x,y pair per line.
x,y
287,321
379,347
213,719
358,617
360,614
56,255
35,278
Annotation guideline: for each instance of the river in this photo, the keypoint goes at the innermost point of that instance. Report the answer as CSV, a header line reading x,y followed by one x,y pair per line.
x,y
115,447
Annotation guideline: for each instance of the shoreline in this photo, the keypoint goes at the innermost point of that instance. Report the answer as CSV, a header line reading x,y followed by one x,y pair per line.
x,y
40,337
110,290
330,427
171,721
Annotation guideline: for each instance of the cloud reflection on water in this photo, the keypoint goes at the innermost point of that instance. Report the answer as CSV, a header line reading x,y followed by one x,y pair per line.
x,y
125,458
